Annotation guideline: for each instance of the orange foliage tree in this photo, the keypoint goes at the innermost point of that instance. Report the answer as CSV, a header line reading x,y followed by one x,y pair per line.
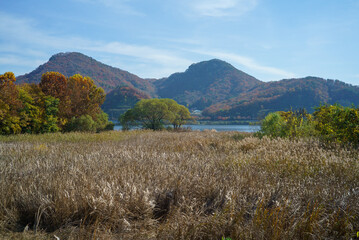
x,y
54,84
9,104
85,97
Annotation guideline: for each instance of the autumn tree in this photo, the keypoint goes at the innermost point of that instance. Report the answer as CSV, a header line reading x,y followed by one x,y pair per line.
x,y
9,105
336,123
85,100
85,96
55,104
54,84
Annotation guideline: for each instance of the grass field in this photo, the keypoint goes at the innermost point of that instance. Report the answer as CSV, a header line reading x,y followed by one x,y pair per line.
x,y
163,185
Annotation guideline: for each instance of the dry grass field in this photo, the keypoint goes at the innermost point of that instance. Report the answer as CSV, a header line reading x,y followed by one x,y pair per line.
x,y
163,185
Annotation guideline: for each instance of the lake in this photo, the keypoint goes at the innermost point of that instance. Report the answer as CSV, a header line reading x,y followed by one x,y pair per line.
x,y
219,128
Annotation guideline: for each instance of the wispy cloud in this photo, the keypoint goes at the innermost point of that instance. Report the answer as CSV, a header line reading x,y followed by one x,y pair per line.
x,y
151,61
144,60
248,63
14,60
221,8
14,29
122,6
145,52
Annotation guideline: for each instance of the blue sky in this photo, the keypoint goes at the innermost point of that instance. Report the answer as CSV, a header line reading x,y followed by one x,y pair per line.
x,y
268,39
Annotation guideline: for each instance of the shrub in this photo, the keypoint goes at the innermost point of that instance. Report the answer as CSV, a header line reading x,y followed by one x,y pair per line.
x,y
336,123
273,125
84,123
332,123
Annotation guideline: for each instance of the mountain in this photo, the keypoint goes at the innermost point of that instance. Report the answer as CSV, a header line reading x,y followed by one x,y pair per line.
x,y
103,75
214,86
284,95
121,99
205,83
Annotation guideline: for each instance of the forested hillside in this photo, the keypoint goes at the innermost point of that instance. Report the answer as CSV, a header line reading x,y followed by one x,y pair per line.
x,y
284,95
121,99
214,86
103,75
205,83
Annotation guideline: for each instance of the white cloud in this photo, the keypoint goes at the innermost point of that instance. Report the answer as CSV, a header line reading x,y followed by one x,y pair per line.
x,y
144,52
221,8
18,61
25,45
15,44
122,6
248,63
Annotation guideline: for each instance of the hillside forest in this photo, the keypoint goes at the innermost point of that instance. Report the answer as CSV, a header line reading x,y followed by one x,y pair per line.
x,y
215,88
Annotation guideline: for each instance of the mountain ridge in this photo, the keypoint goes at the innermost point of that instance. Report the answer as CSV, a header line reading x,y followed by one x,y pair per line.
x,y
205,82
284,95
105,76
214,86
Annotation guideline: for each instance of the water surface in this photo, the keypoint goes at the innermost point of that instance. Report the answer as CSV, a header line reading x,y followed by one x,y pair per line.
x,y
219,128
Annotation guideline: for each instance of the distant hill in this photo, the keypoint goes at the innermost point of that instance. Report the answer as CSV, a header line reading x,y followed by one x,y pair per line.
x,y
205,83
214,86
121,99
103,75
284,95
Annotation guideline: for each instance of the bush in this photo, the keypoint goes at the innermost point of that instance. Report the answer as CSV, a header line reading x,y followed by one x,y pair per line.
x,y
339,124
332,123
288,124
109,127
273,125
102,123
84,123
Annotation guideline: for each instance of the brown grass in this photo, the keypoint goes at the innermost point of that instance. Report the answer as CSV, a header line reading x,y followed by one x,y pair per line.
x,y
161,185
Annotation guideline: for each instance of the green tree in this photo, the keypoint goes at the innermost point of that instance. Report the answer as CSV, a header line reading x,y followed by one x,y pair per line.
x,y
178,114
151,113
84,123
102,123
31,112
154,113
273,125
127,120
50,116
39,113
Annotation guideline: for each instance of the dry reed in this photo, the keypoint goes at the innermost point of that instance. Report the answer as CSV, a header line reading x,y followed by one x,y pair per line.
x,y
161,185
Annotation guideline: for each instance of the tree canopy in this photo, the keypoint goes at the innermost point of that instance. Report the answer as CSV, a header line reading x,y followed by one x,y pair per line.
x,y
154,113
56,104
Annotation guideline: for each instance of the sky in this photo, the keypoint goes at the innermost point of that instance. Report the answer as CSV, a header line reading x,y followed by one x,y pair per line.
x,y
268,39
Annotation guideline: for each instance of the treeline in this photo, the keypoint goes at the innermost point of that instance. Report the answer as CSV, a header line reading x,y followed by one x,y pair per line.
x,y
331,123
55,104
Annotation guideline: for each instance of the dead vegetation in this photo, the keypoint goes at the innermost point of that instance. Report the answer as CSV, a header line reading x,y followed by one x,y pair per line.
x,y
161,185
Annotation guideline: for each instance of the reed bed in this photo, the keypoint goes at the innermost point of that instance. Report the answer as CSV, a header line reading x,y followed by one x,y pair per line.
x,y
168,185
